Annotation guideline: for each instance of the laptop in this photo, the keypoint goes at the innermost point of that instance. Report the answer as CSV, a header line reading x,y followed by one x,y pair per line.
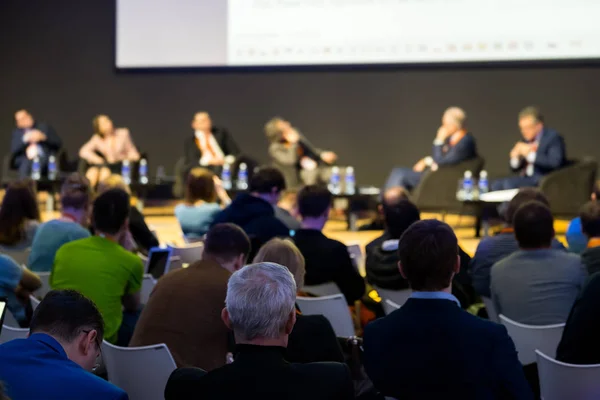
x,y
158,261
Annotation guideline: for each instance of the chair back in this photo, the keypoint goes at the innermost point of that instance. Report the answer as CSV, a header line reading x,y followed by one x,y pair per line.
x,y
559,381
148,283
45,288
10,333
358,259
142,372
389,306
190,253
529,338
398,297
334,308
324,289
34,302
10,320
491,309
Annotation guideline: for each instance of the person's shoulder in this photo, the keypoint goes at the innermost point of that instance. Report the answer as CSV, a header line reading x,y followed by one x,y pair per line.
x,y
100,388
552,134
74,245
329,372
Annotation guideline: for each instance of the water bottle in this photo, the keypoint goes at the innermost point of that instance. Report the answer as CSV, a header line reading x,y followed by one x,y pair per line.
x,y
483,184
468,185
226,176
350,181
242,178
334,181
126,172
52,168
143,171
36,169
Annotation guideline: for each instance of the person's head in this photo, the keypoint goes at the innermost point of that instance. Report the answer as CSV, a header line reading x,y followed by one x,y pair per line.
x,y
260,304
595,193
267,183
276,129
19,206
314,203
454,119
534,226
399,216
76,197
24,119
590,219
202,122
531,122
102,125
283,252
110,214
114,181
523,196
200,186
428,252
228,245
74,321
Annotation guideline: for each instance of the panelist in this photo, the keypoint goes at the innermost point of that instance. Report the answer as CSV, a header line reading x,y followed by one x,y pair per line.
x,y
107,149
209,146
300,162
31,140
541,151
453,144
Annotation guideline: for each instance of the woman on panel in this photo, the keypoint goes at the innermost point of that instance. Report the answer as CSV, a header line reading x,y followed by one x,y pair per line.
x,y
107,149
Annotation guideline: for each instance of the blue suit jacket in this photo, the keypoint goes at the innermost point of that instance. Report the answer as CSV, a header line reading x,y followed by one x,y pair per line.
x,y
18,147
432,349
551,154
38,368
445,154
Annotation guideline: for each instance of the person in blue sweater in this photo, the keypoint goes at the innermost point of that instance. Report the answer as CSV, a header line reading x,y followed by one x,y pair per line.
x,y
576,239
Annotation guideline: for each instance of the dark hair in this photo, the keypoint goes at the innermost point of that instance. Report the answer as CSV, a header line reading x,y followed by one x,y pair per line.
x,y
534,225
200,185
264,179
590,219
64,314
428,252
19,206
76,192
226,242
523,196
532,111
313,200
399,216
111,210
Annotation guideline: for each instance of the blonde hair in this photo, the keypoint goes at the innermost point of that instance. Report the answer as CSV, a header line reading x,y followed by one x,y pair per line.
x,y
458,115
272,131
283,252
113,182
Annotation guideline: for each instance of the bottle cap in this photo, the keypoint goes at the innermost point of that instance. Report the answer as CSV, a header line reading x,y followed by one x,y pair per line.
x,y
468,174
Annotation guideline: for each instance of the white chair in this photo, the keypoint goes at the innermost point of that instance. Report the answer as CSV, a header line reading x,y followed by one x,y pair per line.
x,y
188,254
395,296
491,309
529,338
148,283
45,288
10,333
389,306
10,320
142,372
358,259
324,289
334,308
559,381
34,302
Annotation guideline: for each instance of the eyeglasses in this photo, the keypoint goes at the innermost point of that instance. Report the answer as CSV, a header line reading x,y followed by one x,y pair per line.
x,y
99,346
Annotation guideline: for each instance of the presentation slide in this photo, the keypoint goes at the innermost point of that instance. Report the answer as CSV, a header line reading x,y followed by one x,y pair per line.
x,y
236,33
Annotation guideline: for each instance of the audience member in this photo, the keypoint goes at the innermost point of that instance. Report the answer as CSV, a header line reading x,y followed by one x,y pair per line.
x,y
55,362
196,215
430,348
19,216
254,211
536,285
16,284
287,210
313,338
102,270
576,238
590,224
327,260
139,237
259,308
75,197
184,310
494,248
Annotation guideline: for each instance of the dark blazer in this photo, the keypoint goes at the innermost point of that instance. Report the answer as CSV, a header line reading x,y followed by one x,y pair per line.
x,y
52,144
193,154
445,154
432,349
261,372
551,154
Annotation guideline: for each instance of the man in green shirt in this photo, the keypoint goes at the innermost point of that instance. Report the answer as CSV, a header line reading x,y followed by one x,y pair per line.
x,y
102,270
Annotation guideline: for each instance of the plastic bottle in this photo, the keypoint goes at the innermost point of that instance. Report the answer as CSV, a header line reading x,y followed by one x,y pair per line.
x,y
483,184
334,182
468,185
126,172
36,169
52,168
242,178
143,171
350,181
226,177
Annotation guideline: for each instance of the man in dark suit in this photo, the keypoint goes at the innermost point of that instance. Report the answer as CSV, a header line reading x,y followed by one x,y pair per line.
x,y
452,145
430,348
260,309
541,151
31,140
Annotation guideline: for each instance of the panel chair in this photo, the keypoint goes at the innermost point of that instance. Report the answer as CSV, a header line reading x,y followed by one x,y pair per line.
x,y
142,372
559,381
398,297
491,309
10,333
334,308
529,338
148,283
324,289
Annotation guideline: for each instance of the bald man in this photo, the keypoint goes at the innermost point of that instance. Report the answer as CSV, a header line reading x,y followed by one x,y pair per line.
x,y
452,145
